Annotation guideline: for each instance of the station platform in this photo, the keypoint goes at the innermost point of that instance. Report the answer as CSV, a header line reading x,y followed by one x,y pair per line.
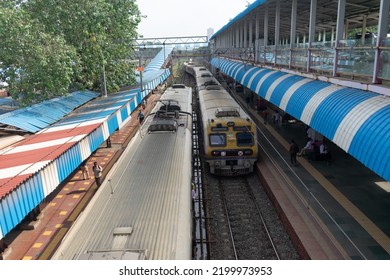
x,y
336,210
38,240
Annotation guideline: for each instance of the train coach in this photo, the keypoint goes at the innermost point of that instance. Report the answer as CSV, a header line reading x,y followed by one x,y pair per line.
x,y
189,67
143,210
229,134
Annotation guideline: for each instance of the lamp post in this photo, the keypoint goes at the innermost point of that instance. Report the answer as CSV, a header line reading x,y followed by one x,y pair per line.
x,y
140,69
164,53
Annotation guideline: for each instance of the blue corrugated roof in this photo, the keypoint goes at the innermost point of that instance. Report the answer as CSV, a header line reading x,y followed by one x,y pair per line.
x,y
40,116
154,69
158,61
6,101
282,87
101,108
357,121
333,109
299,99
150,76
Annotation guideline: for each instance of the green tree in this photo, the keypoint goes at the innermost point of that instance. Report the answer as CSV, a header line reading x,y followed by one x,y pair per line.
x,y
36,65
50,46
101,31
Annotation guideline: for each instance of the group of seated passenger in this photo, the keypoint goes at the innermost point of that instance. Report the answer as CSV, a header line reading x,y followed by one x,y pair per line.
x,y
316,150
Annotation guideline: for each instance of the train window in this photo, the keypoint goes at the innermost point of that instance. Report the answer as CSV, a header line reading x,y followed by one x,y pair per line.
x,y
244,139
218,140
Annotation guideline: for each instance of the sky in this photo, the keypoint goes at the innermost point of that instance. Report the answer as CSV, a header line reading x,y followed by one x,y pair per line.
x,y
183,18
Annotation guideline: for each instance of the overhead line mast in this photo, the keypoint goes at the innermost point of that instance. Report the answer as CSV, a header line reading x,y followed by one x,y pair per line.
x,y
155,42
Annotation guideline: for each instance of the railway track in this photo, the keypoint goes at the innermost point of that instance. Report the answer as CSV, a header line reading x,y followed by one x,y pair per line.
x,y
248,231
243,223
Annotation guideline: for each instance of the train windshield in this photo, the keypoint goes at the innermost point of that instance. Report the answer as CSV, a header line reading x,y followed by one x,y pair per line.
x,y
244,139
217,140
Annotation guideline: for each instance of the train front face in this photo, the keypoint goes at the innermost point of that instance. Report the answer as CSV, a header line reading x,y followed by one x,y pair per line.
x,y
231,146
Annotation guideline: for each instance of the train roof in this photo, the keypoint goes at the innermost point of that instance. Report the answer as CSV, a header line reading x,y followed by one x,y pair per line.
x,y
215,101
219,104
143,211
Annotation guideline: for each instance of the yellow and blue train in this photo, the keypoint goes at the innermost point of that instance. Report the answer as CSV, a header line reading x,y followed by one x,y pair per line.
x,y
229,134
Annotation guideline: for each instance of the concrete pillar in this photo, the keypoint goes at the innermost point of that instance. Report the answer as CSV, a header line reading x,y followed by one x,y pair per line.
x,y
312,29
293,31
339,32
382,34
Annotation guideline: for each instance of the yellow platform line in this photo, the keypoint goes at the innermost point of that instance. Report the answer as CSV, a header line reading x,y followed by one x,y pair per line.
x,y
53,244
81,205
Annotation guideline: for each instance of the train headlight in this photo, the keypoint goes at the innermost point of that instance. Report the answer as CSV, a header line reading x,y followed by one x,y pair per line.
x,y
240,153
215,153
223,154
248,152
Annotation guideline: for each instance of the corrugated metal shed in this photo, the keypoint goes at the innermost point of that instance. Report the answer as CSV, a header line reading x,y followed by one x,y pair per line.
x,y
33,168
356,120
40,116
6,101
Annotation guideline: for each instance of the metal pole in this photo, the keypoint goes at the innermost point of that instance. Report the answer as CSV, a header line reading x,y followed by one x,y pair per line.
x,y
104,88
164,54
104,82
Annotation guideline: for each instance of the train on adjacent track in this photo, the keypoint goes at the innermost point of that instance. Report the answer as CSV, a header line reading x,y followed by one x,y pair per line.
x,y
143,210
228,133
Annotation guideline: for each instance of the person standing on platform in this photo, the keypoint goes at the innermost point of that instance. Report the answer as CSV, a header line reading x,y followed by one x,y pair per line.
x,y
141,116
265,116
97,172
276,118
294,149
84,170
248,101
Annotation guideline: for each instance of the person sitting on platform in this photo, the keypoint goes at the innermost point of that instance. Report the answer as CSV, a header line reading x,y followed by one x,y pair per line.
x,y
325,154
307,149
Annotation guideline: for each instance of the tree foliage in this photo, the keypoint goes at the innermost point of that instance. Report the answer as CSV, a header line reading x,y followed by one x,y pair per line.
x,y
60,44
36,65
